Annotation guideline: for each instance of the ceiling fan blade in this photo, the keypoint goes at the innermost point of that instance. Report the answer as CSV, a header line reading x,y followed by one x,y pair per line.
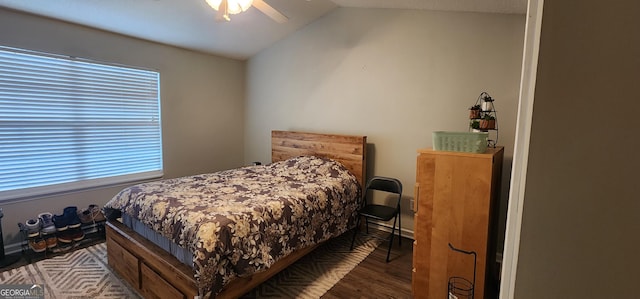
x,y
221,17
270,11
222,13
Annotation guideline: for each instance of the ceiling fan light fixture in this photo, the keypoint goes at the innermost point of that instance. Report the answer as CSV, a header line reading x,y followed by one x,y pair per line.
x,y
233,6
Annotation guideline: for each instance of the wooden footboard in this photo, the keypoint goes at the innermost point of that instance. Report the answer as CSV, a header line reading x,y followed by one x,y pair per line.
x,y
154,273
149,269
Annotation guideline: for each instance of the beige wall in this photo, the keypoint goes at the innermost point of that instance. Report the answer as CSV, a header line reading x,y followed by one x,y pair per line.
x,y
393,75
202,98
580,222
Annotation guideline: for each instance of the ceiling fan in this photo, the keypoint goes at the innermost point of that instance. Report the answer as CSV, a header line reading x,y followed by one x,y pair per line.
x,y
232,7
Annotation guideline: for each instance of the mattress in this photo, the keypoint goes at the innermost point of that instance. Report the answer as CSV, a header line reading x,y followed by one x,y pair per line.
x,y
184,255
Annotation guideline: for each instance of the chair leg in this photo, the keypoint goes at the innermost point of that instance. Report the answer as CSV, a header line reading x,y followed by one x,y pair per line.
x,y
366,220
393,232
355,232
399,228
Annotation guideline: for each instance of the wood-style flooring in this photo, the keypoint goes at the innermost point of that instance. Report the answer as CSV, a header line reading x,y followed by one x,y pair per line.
x,y
372,278
375,278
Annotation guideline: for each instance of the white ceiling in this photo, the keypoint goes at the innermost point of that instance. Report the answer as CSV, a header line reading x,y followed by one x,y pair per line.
x,y
192,24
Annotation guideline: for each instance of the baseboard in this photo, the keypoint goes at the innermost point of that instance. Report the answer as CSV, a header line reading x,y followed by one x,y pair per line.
x,y
17,247
13,248
383,226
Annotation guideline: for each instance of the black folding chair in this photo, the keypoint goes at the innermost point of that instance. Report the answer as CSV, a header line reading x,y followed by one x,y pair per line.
x,y
381,212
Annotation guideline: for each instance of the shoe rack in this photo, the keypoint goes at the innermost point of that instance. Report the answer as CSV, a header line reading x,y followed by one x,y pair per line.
x,y
92,232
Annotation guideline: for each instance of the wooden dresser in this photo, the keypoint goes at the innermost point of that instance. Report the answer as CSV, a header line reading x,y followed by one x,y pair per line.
x,y
456,197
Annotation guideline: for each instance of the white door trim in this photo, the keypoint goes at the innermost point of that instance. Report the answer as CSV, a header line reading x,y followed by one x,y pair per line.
x,y
521,149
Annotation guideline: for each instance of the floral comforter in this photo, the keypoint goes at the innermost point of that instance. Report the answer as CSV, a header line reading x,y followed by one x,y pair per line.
x,y
241,221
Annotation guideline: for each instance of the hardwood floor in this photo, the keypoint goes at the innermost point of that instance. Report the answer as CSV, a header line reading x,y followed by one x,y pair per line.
x,y
374,278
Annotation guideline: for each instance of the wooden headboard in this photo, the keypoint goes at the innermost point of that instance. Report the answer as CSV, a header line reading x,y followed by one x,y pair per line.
x,y
348,150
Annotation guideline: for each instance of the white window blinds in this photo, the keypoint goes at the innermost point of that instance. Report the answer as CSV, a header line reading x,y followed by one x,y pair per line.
x,y
68,124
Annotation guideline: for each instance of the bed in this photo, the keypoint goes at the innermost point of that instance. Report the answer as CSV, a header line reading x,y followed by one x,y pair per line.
x,y
286,219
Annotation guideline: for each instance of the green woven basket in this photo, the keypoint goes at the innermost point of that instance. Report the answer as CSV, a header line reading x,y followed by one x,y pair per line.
x,y
469,142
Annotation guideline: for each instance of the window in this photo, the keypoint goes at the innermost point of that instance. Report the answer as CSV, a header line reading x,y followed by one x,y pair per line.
x,y
69,124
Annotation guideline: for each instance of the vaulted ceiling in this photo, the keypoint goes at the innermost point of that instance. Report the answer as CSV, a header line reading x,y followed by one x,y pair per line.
x,y
192,24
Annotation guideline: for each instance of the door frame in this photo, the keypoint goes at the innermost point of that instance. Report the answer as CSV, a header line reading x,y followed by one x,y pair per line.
x,y
521,150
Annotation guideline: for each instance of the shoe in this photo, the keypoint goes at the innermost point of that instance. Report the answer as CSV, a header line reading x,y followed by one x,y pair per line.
x,y
38,244
46,219
71,215
60,222
92,214
96,213
65,236
33,227
70,235
77,235
85,217
51,241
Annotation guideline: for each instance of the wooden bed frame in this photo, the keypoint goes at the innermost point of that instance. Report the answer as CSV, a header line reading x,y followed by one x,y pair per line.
x,y
154,273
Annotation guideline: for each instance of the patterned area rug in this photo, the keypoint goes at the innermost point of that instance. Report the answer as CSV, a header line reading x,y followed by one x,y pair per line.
x,y
78,274
84,273
317,272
